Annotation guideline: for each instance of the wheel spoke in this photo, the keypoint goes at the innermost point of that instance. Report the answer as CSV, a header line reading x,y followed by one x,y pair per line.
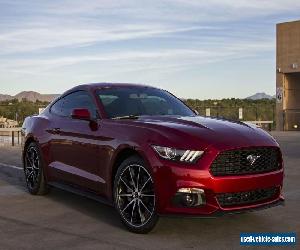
x,y
145,206
127,206
29,176
132,178
29,161
145,184
35,167
130,189
142,217
35,173
29,167
33,178
31,154
134,205
138,179
125,195
35,162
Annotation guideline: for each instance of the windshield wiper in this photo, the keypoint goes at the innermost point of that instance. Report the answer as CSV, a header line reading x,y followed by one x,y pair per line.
x,y
133,117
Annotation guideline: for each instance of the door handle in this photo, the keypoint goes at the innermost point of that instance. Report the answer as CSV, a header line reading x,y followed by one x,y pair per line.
x,y
56,131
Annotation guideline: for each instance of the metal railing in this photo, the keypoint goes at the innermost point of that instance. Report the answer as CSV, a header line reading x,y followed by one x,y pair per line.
x,y
10,136
267,125
263,116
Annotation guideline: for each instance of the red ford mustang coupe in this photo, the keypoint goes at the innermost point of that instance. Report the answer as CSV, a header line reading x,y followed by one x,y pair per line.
x,y
145,152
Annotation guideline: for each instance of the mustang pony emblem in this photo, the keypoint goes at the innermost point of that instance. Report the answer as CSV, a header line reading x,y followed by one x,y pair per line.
x,y
252,159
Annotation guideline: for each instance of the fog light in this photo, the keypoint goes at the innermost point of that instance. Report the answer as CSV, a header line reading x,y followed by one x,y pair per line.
x,y
189,197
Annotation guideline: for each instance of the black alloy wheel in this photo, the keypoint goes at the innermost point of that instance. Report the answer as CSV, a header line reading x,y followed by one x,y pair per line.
x,y
33,170
134,196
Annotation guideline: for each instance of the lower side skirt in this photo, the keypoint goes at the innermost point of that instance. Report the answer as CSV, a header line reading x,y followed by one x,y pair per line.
x,y
81,192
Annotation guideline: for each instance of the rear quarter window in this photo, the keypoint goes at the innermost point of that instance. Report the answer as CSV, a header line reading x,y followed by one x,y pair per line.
x,y
56,108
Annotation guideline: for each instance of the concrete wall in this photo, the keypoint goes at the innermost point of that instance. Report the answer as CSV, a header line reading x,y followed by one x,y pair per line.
x,y
288,75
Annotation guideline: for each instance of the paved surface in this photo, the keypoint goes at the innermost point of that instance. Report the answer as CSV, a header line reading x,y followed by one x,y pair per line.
x,y
62,220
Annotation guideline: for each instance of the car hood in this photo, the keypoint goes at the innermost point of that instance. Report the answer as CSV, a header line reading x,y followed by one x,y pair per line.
x,y
204,131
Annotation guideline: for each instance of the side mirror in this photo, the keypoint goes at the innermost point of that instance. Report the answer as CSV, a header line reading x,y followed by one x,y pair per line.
x,y
81,114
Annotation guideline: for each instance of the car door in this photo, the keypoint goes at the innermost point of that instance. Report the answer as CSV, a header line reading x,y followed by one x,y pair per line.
x,y
75,151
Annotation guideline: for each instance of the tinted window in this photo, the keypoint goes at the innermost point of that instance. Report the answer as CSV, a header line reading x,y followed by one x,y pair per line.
x,y
123,101
56,108
78,99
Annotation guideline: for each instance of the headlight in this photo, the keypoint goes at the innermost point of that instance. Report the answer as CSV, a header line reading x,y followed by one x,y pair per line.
x,y
174,154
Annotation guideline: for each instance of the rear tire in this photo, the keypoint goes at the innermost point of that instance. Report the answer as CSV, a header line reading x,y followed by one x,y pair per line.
x,y
34,171
134,196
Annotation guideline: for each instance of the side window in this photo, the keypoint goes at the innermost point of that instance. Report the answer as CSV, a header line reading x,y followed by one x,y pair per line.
x,y
79,99
56,108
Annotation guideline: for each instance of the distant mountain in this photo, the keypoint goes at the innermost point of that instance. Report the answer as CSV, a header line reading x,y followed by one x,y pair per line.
x,y
5,97
33,96
30,96
259,96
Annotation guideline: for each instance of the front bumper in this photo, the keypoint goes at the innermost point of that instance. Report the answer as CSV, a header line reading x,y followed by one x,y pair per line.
x,y
220,213
170,177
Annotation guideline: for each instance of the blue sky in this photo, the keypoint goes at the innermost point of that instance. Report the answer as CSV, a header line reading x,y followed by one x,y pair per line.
x,y
197,49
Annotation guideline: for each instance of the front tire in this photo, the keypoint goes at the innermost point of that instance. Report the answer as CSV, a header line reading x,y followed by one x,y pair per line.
x,y
134,196
33,170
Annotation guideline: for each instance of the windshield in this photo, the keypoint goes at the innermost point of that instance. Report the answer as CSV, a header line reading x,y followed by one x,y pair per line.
x,y
137,101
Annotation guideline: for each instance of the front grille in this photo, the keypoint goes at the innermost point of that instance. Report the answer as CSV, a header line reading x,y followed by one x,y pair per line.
x,y
247,198
246,161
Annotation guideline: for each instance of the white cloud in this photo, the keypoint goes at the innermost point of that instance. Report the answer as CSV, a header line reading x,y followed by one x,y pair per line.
x,y
25,40
72,23
180,10
73,39
136,60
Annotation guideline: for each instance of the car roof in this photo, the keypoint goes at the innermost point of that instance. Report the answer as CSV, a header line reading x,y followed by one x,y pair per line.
x,y
94,86
111,85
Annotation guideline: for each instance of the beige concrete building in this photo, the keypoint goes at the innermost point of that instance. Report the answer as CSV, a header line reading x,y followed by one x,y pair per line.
x,y
7,123
288,76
